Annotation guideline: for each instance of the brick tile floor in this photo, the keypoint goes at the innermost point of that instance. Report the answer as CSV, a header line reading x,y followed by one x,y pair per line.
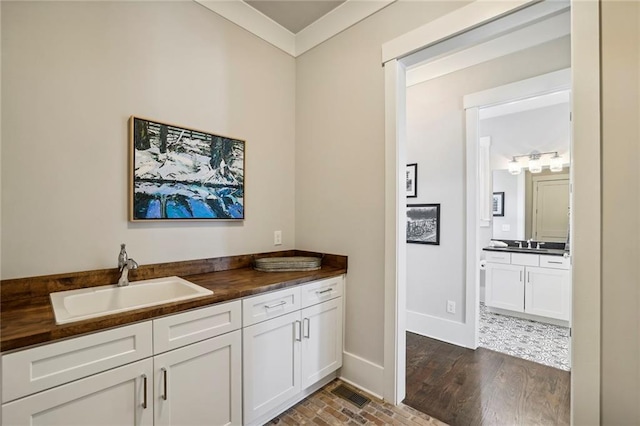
x,y
324,408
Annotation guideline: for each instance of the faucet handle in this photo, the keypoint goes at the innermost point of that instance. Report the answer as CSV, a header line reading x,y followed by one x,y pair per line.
x,y
539,244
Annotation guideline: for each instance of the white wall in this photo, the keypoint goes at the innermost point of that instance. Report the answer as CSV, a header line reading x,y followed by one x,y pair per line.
x,y
73,73
340,165
436,141
503,181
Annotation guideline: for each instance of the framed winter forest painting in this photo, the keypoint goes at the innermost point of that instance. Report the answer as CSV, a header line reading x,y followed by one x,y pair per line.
x,y
177,173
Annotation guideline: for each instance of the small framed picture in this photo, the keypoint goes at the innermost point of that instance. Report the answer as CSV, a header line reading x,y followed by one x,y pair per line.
x,y
498,203
423,223
412,180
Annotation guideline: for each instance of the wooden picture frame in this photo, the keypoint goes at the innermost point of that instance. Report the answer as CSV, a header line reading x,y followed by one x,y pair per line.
x,y
423,224
180,173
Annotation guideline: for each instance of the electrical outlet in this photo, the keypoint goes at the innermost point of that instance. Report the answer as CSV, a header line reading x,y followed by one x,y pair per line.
x,y
277,238
451,306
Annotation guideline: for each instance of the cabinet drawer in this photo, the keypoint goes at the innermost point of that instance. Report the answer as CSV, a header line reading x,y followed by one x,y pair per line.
x,y
525,259
270,305
43,367
556,262
497,256
319,291
183,329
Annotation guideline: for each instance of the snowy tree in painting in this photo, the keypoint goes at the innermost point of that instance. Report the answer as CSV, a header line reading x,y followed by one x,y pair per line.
x,y
186,174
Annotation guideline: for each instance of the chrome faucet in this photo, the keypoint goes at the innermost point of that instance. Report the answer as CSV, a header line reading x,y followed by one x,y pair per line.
x,y
125,264
529,241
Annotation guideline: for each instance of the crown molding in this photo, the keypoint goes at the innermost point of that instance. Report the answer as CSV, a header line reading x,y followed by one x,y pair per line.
x,y
339,19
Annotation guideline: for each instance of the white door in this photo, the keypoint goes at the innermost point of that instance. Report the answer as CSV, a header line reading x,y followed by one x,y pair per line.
x,y
548,292
505,286
113,398
321,340
271,362
200,384
551,210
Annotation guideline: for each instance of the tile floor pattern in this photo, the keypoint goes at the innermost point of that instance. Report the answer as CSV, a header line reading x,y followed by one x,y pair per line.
x,y
531,340
324,408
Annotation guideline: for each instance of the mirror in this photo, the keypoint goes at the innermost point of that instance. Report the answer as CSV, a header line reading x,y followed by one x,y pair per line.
x,y
529,205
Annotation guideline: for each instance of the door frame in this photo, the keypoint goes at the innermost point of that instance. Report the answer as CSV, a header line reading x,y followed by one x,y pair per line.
x,y
552,82
586,226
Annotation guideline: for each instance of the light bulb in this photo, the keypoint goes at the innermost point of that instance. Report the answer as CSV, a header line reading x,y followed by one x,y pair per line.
x,y
514,167
555,164
535,166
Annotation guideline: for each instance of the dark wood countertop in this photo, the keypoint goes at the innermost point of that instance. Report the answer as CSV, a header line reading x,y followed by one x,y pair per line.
x,y
32,321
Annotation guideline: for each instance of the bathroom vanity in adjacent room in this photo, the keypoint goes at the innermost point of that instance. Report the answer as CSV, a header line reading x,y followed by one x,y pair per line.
x,y
530,283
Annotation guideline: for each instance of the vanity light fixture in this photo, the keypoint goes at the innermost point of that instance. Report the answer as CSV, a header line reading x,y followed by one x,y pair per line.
x,y
514,167
555,164
535,164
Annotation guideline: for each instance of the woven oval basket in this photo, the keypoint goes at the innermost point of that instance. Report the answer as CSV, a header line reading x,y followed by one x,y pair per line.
x,y
287,264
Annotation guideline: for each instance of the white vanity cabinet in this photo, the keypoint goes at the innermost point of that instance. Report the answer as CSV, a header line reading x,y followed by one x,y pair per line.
x,y
286,354
529,283
505,286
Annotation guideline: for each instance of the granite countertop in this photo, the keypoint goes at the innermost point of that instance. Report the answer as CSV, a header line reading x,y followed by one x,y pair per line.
x,y
33,322
550,252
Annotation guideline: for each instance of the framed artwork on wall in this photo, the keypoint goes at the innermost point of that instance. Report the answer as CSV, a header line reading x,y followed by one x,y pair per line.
x,y
498,204
423,223
412,180
178,173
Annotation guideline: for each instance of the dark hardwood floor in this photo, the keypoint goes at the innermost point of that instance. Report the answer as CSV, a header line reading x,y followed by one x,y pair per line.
x,y
464,387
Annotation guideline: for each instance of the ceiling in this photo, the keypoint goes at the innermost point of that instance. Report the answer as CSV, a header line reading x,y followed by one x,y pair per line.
x,y
294,15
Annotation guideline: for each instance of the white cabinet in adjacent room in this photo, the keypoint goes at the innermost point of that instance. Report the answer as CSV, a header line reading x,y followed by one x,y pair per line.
x,y
548,293
505,286
530,283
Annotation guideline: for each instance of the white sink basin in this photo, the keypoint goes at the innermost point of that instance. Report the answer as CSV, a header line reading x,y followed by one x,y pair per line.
x,y
84,303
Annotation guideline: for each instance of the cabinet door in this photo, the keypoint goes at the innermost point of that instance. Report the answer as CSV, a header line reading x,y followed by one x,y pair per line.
x,y
505,287
113,398
548,293
321,340
200,384
271,362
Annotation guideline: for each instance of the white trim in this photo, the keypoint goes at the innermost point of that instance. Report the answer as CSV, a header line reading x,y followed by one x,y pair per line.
x,y
362,374
339,19
532,35
472,227
528,104
395,233
459,21
442,329
546,83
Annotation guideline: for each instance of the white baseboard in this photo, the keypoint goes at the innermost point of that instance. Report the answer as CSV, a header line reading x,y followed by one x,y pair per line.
x,y
362,374
442,329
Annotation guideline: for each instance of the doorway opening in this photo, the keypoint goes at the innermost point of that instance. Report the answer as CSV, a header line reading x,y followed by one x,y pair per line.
x,y
397,60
